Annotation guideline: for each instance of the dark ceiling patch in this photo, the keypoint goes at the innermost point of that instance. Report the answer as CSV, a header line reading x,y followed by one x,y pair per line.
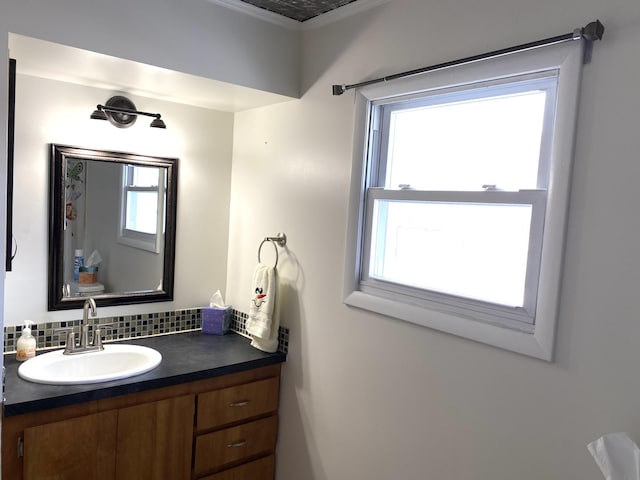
x,y
300,10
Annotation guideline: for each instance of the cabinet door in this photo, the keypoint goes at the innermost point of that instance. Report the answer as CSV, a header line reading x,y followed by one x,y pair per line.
x,y
154,440
76,449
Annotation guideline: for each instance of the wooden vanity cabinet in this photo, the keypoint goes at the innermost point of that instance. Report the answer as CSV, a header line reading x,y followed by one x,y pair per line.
x,y
222,428
235,424
154,439
72,449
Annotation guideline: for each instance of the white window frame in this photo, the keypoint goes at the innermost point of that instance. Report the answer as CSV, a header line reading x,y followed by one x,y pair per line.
x,y
535,336
151,242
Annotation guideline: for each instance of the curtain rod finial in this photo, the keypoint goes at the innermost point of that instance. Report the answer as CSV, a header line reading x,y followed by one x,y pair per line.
x,y
593,31
339,89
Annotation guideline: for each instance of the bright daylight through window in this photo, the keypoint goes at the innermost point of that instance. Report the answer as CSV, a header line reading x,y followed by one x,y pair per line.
x,y
455,244
142,207
141,187
453,226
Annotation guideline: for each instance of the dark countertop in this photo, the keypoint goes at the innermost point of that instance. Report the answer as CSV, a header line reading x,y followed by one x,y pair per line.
x,y
186,357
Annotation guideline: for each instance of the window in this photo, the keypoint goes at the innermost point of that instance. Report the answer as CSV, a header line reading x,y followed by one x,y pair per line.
x,y
142,212
460,195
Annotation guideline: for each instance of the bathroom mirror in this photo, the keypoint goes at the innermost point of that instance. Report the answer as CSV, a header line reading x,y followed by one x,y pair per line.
x,y
112,227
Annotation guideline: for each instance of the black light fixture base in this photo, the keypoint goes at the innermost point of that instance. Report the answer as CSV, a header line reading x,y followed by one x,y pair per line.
x,y
120,119
121,112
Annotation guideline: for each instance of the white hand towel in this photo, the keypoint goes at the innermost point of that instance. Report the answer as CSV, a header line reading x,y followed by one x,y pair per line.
x,y
262,324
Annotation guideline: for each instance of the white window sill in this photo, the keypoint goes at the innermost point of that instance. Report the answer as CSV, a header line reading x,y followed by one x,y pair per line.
x,y
537,343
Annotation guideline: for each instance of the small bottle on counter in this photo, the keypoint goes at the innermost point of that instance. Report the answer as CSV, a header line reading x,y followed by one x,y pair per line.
x,y
26,346
78,261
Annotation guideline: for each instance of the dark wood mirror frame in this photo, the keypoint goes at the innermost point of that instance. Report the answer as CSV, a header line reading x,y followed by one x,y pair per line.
x,y
9,253
58,157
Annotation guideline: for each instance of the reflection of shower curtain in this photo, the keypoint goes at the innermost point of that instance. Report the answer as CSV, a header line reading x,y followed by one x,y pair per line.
x,y
74,213
74,187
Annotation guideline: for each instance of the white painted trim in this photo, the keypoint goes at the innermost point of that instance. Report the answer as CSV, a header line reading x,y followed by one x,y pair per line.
x,y
536,344
316,22
539,343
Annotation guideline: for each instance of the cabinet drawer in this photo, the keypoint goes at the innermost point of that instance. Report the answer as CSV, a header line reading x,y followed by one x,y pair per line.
x,y
214,450
262,469
228,405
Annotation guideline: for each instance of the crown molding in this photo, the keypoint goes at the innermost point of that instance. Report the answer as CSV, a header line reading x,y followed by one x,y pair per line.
x,y
316,22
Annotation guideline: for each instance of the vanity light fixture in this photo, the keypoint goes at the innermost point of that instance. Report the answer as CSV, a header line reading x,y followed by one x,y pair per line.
x,y
122,113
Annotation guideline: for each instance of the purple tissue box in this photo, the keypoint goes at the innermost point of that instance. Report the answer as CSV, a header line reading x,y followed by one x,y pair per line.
x,y
215,321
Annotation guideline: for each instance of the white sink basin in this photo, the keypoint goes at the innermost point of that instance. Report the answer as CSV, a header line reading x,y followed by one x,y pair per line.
x,y
113,363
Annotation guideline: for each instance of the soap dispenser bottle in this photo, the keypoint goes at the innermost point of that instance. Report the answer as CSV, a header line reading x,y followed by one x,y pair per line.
x,y
26,346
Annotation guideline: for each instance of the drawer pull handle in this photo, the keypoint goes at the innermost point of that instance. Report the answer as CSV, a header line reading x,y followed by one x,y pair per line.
x,y
243,403
239,444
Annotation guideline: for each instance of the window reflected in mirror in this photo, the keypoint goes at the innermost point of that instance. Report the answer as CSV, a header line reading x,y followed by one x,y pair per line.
x,y
142,214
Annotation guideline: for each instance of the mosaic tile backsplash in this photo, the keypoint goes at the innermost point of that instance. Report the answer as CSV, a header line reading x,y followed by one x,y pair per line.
x,y
48,335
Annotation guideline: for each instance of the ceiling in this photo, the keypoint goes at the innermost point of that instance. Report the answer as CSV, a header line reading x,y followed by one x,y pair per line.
x,y
300,14
59,62
300,10
50,60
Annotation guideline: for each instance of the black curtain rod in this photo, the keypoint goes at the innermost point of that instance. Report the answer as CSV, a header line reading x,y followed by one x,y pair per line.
x,y
593,31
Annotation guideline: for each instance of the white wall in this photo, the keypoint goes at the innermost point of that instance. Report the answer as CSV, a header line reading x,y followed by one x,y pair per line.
x,y
50,111
369,397
195,37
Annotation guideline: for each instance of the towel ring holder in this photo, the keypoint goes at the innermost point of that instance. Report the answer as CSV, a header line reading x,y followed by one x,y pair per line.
x,y
280,239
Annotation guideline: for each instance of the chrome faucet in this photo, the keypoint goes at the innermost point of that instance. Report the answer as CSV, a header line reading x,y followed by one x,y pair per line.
x,y
84,345
89,303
